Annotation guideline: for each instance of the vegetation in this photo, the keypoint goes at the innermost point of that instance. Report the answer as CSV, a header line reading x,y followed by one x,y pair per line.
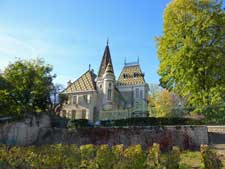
x,y
166,104
103,157
151,121
77,123
26,87
191,53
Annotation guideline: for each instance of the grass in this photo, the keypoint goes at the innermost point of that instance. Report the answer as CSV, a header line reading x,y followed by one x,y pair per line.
x,y
190,159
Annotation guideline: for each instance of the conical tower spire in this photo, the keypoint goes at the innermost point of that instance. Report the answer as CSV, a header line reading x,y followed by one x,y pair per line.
x,y
106,59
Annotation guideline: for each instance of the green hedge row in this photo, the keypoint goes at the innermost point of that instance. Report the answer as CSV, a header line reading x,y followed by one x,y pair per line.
x,y
151,121
144,121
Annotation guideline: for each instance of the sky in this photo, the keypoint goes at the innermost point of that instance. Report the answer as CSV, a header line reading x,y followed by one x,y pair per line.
x,y
71,34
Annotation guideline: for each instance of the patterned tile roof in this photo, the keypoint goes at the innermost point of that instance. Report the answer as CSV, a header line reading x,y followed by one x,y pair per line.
x,y
131,75
84,83
106,59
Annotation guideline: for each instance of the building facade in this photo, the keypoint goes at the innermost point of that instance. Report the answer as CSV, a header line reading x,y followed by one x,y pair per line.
x,y
102,97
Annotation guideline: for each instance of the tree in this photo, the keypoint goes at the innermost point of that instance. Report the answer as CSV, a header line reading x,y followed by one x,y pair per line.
x,y
6,101
191,51
162,103
30,86
154,89
168,104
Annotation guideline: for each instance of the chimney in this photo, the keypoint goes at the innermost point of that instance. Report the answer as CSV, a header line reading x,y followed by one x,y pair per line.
x,y
69,83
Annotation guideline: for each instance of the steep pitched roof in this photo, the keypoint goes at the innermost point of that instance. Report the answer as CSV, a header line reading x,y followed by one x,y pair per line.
x,y
106,59
131,75
84,83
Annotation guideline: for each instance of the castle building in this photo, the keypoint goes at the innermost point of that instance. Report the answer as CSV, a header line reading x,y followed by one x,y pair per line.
x,y
102,97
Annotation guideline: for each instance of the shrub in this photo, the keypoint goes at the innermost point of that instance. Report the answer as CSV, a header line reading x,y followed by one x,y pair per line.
x,y
153,159
118,151
151,121
135,157
87,152
105,158
209,158
77,123
173,158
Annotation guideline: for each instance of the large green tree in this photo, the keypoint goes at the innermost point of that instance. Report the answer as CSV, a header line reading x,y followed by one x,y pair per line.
x,y
191,51
26,86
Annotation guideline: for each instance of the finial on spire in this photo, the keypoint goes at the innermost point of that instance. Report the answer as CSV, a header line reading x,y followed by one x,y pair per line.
x,y
125,61
138,60
107,42
89,67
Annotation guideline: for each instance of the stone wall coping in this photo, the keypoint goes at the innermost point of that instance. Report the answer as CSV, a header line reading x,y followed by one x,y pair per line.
x,y
141,127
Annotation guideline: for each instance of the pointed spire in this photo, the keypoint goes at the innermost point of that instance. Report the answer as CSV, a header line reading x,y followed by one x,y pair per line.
x,y
107,42
106,59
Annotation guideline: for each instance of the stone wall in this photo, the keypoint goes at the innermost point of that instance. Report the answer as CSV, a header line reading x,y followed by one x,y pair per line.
x,y
186,137
216,134
24,132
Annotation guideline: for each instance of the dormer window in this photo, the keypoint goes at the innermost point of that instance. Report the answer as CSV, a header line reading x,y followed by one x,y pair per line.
x,y
135,75
125,76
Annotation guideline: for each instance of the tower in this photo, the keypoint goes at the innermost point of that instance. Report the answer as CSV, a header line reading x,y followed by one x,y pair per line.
x,y
106,80
108,87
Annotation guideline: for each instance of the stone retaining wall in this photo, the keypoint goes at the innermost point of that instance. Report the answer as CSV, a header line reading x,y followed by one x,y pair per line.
x,y
186,137
216,134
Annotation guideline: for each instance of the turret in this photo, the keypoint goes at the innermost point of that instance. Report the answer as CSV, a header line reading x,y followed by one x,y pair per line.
x,y
108,87
106,80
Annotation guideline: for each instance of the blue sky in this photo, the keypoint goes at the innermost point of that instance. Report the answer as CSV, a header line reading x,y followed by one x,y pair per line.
x,y
71,34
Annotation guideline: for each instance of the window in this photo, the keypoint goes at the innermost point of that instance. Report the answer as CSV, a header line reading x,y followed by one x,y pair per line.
x,y
74,99
110,92
89,98
124,76
73,114
85,98
83,114
64,113
141,94
137,92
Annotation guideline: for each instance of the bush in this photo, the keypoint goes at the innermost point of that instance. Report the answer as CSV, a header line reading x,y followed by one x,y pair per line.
x,y
210,158
105,158
153,159
151,121
173,158
118,151
135,157
61,156
87,152
77,123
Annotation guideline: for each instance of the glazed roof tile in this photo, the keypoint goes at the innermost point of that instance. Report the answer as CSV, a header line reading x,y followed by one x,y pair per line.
x,y
84,83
